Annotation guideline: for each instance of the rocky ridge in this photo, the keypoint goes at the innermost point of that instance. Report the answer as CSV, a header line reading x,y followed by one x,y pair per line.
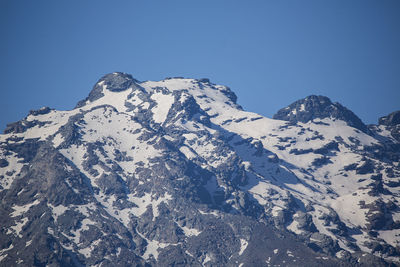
x,y
319,107
175,172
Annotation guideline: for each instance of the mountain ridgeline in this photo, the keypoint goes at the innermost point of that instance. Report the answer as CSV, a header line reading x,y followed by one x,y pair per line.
x,y
176,173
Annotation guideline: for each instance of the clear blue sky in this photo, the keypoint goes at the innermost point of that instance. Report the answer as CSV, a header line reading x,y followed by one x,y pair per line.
x,y
270,53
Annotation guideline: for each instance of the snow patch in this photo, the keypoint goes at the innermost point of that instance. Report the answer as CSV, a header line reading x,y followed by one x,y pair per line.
x,y
187,152
147,200
57,140
391,237
243,246
76,234
294,227
152,248
19,210
18,227
164,103
213,213
206,259
349,211
2,255
57,210
9,172
190,231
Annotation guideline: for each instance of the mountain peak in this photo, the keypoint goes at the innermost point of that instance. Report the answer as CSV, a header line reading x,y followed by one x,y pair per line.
x,y
392,123
115,82
390,120
318,107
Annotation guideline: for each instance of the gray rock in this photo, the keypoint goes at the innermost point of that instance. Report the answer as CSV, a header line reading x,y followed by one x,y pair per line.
x,y
390,120
318,107
3,163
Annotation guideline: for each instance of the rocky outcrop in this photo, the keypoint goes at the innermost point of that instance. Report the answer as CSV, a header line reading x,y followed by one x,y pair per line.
x,y
392,119
318,107
392,123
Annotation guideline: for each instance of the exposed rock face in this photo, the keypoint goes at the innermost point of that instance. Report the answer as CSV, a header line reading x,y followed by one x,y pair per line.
x,y
318,107
392,119
392,123
118,81
175,173
114,82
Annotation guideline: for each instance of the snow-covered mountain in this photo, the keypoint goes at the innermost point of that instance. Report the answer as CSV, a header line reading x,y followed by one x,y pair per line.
x,y
175,172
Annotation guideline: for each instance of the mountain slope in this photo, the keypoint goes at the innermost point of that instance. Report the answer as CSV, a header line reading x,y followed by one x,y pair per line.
x,y
175,172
